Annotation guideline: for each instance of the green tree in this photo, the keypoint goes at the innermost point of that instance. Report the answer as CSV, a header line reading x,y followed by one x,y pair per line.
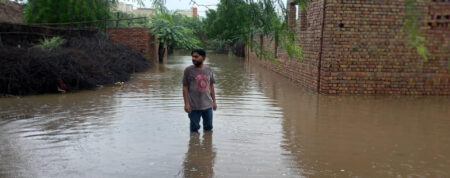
x,y
231,20
59,11
193,23
235,21
222,25
55,11
211,16
169,32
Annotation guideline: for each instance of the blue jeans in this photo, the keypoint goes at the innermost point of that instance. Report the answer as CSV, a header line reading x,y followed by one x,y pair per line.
x,y
207,116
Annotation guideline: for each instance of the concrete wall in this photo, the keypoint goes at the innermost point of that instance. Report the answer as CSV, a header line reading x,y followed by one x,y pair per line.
x,y
364,49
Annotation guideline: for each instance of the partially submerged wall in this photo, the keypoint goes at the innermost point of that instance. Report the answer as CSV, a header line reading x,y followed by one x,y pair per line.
x,y
137,37
366,50
363,49
303,71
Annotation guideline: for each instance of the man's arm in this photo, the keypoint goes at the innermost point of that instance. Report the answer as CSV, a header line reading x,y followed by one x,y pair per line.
x,y
213,96
187,106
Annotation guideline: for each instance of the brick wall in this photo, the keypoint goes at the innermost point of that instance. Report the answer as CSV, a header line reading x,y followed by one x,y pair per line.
x,y
10,12
304,72
137,37
365,51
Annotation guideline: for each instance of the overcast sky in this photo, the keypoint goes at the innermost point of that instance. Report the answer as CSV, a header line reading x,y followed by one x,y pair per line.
x,y
185,4
182,4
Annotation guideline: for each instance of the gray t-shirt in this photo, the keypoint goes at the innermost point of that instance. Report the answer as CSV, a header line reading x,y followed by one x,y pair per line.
x,y
198,82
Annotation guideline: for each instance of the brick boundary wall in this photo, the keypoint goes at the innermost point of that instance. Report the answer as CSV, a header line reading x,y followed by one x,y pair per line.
x,y
362,48
139,38
11,12
304,72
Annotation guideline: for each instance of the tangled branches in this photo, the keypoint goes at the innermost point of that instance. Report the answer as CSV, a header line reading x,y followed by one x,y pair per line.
x,y
81,63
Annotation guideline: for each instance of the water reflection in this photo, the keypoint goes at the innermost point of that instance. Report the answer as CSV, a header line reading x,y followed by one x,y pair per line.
x,y
200,157
362,136
230,74
39,128
58,117
265,126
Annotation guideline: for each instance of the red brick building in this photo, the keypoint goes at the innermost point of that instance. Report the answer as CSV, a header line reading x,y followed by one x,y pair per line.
x,y
194,12
359,47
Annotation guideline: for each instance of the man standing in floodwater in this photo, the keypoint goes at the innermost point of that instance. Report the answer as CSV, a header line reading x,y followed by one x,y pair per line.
x,y
198,92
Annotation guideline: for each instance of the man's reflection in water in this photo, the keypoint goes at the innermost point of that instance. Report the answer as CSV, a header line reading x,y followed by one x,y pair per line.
x,y
199,159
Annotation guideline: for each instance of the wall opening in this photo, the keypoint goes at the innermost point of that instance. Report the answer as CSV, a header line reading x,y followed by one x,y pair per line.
x,y
292,16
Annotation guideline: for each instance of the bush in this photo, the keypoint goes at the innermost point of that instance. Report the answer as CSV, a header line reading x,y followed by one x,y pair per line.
x,y
219,44
51,44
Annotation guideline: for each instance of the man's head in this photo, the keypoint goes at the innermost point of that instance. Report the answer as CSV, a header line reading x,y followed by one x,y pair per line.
x,y
198,56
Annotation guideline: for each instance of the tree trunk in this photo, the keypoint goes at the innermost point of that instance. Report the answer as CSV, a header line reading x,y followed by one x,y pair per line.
x,y
161,51
170,49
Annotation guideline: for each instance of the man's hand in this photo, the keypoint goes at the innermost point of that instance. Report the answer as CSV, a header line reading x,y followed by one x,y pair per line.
x,y
187,108
213,96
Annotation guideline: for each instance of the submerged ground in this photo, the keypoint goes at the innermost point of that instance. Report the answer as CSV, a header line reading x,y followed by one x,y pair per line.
x,y
265,126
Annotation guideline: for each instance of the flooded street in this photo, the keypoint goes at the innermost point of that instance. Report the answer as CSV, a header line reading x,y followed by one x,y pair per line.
x,y
265,126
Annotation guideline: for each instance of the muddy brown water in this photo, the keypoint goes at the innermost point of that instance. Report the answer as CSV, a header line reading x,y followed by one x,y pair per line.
x,y
265,126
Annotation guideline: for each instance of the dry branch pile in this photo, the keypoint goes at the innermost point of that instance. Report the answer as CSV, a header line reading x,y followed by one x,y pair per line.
x,y
80,63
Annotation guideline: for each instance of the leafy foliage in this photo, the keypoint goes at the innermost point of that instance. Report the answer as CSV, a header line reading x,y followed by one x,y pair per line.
x,y
288,43
59,11
231,20
237,20
411,25
51,44
218,44
54,11
302,3
259,17
164,25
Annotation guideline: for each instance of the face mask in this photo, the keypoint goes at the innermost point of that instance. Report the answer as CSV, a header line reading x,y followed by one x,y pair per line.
x,y
197,63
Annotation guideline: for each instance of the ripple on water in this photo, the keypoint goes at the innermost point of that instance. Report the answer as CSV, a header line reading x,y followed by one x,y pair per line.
x,y
264,127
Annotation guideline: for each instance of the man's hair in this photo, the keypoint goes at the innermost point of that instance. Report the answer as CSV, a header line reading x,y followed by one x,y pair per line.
x,y
200,52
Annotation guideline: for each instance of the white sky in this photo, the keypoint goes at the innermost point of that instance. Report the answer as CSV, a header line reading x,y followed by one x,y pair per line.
x,y
184,4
